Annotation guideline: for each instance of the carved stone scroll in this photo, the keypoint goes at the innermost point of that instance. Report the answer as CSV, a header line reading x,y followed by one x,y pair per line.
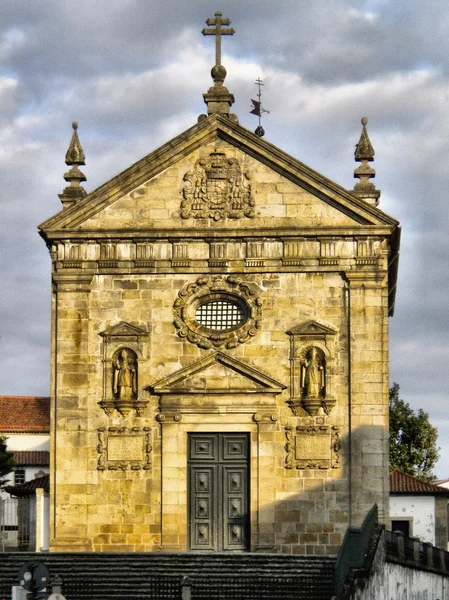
x,y
120,448
217,188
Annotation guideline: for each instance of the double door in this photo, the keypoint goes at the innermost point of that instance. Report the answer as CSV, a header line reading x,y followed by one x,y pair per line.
x,y
218,466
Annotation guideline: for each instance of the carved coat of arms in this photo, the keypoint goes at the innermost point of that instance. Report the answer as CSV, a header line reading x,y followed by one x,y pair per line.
x,y
216,189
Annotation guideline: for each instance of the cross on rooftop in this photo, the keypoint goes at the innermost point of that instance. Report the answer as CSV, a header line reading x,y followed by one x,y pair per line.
x,y
218,32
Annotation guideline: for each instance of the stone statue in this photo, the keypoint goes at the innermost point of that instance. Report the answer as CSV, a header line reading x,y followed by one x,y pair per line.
x,y
312,374
124,384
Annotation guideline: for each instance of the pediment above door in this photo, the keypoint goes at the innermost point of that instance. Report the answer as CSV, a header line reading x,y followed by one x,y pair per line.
x,y
217,383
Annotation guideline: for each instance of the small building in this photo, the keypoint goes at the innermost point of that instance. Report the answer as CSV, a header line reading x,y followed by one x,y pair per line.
x,y
418,508
25,422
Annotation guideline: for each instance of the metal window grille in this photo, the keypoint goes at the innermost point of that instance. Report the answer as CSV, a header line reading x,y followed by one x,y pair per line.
x,y
19,476
220,315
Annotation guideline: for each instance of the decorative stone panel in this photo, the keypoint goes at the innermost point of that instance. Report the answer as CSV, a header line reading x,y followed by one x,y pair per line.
x,y
145,255
312,447
123,448
217,188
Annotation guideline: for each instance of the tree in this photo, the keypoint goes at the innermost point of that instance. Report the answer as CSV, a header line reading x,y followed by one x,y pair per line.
x,y
413,439
6,462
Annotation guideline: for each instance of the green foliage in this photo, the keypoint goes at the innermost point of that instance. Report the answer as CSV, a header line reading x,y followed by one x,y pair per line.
x,y
413,439
6,462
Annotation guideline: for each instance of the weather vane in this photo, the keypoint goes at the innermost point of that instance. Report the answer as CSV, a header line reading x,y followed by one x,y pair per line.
x,y
258,109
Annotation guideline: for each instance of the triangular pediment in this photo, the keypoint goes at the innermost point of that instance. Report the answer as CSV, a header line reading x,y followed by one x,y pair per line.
x,y
311,329
119,204
217,373
123,329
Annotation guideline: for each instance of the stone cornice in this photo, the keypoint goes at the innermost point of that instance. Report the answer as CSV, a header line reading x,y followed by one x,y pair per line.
x,y
280,233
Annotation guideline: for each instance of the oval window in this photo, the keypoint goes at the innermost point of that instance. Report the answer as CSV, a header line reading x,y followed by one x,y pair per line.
x,y
220,315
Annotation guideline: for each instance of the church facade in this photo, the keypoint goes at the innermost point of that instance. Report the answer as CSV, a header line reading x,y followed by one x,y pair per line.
x,y
219,348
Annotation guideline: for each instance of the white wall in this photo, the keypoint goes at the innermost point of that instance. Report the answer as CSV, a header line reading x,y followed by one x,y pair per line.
x,y
421,509
396,582
27,441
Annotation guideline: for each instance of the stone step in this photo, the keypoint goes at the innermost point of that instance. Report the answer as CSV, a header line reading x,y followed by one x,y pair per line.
x,y
88,576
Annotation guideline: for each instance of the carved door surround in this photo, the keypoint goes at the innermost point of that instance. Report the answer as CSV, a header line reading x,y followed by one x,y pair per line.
x,y
217,394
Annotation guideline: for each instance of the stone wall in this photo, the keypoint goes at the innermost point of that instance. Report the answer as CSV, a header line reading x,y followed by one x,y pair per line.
x,y
302,509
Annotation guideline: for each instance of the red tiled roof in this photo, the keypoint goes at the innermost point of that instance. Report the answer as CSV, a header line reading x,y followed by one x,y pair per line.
x,y
32,457
28,488
24,414
402,483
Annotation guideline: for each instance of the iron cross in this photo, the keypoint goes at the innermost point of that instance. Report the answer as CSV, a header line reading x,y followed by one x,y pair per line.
x,y
218,32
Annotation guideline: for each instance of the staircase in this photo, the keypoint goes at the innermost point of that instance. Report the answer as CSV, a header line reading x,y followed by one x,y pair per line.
x,y
101,576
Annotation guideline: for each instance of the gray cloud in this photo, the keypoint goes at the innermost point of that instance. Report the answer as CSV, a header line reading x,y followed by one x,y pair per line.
x,y
133,73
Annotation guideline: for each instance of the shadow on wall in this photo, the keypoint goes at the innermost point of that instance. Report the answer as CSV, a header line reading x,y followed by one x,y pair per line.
x,y
313,507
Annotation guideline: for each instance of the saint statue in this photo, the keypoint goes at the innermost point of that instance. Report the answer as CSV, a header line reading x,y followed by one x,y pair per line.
x,y
312,374
124,383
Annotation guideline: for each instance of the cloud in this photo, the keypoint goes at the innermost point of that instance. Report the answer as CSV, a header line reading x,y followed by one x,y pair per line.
x,y
132,72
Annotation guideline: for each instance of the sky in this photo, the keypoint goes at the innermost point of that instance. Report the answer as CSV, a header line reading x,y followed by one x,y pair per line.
x,y
132,73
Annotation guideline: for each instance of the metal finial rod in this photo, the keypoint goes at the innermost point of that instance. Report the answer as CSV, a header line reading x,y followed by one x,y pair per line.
x,y
218,32
258,108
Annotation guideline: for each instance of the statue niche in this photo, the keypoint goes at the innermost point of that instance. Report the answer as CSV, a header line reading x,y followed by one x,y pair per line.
x,y
124,380
311,374
313,380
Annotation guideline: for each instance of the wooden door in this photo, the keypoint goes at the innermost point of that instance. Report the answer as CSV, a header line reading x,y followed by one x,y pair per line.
x,y
218,491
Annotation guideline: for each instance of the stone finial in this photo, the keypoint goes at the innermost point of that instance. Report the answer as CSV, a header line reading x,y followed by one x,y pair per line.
x,y
75,153
364,153
74,157
218,98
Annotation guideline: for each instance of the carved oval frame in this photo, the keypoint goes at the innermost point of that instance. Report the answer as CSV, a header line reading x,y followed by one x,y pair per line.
x,y
217,287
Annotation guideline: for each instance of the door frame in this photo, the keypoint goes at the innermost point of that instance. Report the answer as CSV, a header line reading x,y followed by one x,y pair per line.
x,y
171,515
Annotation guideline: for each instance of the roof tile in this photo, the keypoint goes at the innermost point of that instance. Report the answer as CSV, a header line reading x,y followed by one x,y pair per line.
x,y
402,483
27,488
24,414
32,457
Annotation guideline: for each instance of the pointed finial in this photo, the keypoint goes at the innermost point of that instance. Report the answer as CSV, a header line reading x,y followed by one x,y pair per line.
x,y
75,153
364,153
218,98
74,157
